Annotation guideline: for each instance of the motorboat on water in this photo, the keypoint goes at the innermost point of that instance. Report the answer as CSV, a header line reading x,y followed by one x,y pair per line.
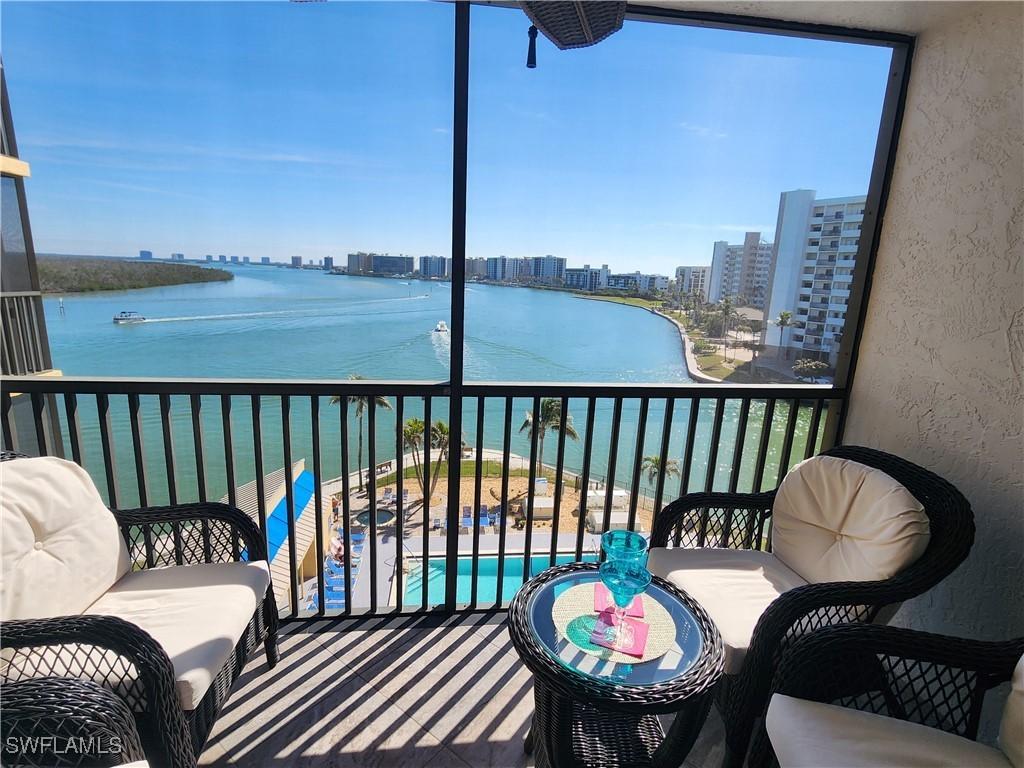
x,y
441,327
124,318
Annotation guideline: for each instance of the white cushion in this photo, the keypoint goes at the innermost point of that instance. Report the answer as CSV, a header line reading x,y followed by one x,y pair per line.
x,y
196,612
807,734
61,548
838,520
1011,728
734,586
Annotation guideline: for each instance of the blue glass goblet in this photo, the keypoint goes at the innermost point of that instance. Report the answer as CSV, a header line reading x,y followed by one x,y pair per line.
x,y
625,580
624,545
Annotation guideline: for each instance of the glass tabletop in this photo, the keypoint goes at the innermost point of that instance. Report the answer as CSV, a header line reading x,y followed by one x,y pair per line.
x,y
683,653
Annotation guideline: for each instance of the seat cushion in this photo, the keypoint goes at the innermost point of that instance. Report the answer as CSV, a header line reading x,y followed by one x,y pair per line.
x,y
807,734
735,586
196,612
61,547
838,520
1011,727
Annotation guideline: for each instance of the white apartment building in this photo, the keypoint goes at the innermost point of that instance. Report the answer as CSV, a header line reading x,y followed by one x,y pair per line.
x,y
638,281
435,266
587,278
504,269
693,279
546,269
816,243
476,267
741,270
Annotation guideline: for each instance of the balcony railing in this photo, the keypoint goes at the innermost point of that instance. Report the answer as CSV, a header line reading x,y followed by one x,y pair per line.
x,y
633,448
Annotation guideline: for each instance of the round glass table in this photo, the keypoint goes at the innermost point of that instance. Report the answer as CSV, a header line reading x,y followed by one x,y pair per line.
x,y
595,709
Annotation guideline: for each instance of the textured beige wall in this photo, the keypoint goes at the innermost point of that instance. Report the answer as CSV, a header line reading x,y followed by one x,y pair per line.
x,y
941,365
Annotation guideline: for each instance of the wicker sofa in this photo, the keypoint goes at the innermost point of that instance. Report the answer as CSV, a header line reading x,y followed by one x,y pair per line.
x,y
874,695
161,605
846,538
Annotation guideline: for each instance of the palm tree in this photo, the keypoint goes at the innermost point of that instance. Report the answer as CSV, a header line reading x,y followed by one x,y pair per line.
x,y
784,321
412,438
550,420
652,466
728,313
439,441
361,403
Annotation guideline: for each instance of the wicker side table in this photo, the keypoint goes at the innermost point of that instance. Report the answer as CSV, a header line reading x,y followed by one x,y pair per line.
x,y
593,713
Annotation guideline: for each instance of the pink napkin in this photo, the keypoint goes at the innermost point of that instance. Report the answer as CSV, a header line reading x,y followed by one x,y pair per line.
x,y
607,619
603,601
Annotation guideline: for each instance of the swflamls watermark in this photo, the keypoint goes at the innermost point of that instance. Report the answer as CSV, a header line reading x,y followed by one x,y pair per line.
x,y
62,745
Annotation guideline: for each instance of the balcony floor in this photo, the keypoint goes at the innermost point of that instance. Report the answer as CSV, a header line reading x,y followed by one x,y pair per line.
x,y
399,692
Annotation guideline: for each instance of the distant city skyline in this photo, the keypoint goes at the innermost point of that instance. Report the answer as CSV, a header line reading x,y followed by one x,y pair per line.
x,y
286,130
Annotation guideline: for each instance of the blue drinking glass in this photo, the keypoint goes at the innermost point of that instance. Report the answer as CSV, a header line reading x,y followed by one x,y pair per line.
x,y
625,579
626,546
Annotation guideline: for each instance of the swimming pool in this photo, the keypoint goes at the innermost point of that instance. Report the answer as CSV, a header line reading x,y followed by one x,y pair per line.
x,y
487,578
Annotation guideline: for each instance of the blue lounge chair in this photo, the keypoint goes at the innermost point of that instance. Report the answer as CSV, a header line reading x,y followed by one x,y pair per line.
x,y
437,524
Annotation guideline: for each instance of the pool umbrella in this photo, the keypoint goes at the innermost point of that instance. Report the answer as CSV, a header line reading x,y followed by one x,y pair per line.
x,y
572,24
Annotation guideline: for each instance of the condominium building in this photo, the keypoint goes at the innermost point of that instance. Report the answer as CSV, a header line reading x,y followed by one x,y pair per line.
x,y
816,242
638,281
435,266
263,259
296,262
146,255
691,280
549,270
328,263
741,271
504,269
177,257
587,278
360,263
476,268
209,257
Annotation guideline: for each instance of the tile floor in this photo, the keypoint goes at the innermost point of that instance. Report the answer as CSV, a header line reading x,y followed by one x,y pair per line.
x,y
401,692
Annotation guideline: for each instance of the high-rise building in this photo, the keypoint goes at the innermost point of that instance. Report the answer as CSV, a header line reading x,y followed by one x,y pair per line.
x,y
177,257
741,271
296,262
146,255
209,257
476,267
691,280
328,263
360,263
587,278
234,259
816,242
549,270
504,269
385,264
438,267
264,259
245,259
222,258
637,281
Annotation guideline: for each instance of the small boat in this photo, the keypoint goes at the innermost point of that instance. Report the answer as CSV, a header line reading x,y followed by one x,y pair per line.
x,y
123,318
441,327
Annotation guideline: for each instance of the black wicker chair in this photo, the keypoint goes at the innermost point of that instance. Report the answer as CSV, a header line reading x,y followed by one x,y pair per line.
x,y
741,521
133,664
53,722
922,678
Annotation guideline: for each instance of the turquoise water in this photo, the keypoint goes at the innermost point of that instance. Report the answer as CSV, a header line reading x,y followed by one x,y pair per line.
x,y
301,324
487,578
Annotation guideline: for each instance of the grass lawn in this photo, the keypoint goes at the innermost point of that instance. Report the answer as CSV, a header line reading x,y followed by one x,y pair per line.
x,y
491,468
632,300
715,365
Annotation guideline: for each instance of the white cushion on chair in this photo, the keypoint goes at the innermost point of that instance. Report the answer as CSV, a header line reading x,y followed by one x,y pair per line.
x,y
61,548
1011,728
734,586
196,612
838,520
807,734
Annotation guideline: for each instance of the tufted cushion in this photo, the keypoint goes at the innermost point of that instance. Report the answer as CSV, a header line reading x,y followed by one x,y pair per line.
x,y
838,520
61,547
1011,729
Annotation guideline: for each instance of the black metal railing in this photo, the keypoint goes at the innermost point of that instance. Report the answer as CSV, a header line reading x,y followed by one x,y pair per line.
x,y
21,348
425,544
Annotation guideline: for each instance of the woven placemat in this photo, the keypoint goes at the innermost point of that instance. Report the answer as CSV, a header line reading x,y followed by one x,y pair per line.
x,y
574,618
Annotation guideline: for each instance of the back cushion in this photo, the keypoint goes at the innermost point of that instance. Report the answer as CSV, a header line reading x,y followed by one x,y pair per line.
x,y
61,548
838,520
1011,729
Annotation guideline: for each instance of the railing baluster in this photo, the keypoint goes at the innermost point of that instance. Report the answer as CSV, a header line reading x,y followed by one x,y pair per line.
x,y
318,501
74,428
588,446
257,455
506,444
371,482
762,448
666,437
638,460
196,407
530,489
107,443
734,471
787,440
172,485
559,476
613,454
38,405
709,476
399,503
9,429
229,451
346,504
691,437
477,486
812,429
289,494
425,554
134,408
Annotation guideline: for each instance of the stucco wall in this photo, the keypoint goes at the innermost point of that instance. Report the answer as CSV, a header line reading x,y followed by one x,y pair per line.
x,y
941,365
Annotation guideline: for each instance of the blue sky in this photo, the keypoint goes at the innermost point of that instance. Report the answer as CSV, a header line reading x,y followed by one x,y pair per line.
x,y
315,129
